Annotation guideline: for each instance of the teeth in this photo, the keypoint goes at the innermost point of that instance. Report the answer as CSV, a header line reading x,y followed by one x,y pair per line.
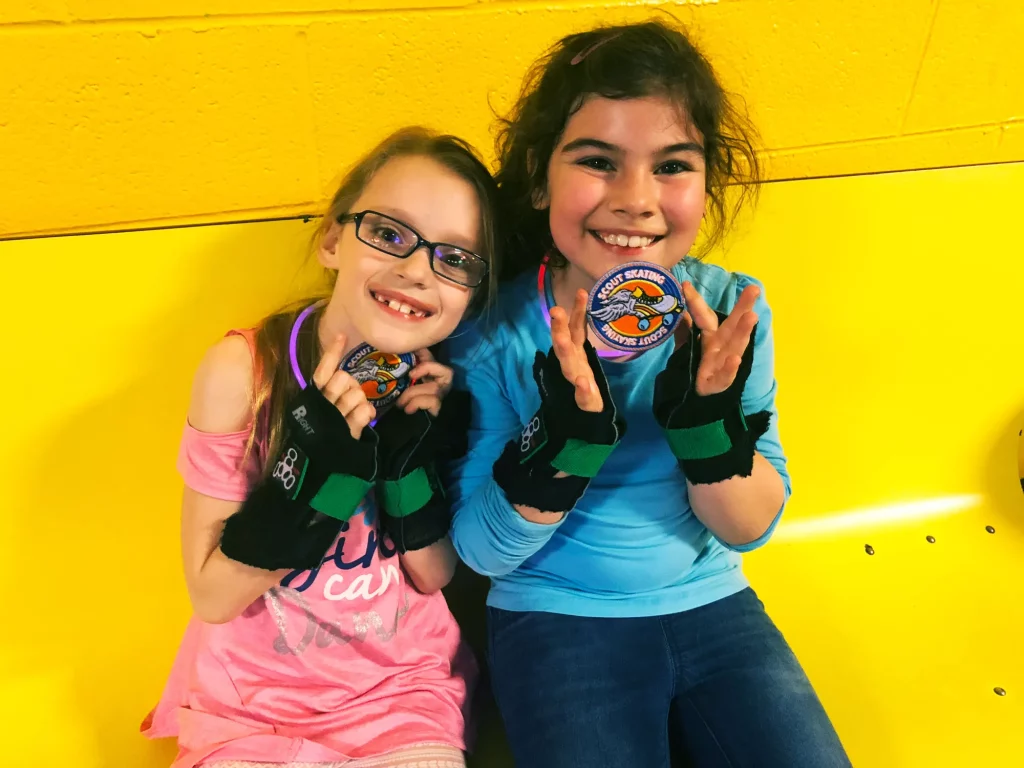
x,y
630,241
398,306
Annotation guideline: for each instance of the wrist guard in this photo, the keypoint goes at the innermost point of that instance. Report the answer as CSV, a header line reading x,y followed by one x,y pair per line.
x,y
318,479
414,511
710,435
559,438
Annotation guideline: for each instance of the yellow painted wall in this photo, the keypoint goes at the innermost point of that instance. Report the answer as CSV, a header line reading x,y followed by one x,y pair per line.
x,y
104,333
896,305
900,364
118,113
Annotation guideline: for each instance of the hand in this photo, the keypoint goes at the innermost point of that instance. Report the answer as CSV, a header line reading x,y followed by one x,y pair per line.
x,y
567,336
433,382
341,389
722,345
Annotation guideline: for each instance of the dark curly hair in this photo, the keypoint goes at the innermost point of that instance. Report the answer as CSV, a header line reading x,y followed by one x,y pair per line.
x,y
653,58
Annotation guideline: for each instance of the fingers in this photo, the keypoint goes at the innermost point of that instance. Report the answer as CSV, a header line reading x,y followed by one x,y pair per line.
x,y
350,400
578,320
423,355
723,352
588,396
428,389
738,337
743,308
561,342
729,338
702,315
748,298
341,389
360,417
423,402
560,324
711,382
330,361
568,332
338,384
433,371
733,334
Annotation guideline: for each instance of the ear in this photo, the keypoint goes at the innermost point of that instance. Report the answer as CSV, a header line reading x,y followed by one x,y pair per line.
x,y
327,253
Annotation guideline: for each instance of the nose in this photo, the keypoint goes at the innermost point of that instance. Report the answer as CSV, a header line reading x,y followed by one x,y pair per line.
x,y
415,267
634,194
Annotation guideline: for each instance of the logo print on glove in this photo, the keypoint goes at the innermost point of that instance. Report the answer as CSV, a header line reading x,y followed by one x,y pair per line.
x,y
635,306
300,416
533,437
284,470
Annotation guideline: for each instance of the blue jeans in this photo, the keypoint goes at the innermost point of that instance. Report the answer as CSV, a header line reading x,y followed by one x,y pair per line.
x,y
714,686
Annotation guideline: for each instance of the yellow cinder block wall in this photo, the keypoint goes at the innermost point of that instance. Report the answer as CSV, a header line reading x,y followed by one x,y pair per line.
x,y
895,300
116,113
899,365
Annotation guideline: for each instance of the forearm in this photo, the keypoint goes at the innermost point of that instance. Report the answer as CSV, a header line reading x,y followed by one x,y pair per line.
x,y
224,588
741,509
541,517
492,537
534,515
431,568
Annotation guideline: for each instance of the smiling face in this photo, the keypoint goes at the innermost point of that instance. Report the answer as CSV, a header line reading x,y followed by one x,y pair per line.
x,y
395,304
626,182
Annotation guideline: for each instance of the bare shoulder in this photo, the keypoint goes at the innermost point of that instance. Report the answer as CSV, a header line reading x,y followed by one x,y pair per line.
x,y
222,388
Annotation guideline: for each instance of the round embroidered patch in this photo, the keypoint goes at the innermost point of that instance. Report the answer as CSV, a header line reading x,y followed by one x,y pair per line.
x,y
635,306
382,375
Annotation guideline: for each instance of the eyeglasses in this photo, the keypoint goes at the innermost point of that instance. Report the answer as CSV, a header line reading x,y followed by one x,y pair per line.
x,y
397,239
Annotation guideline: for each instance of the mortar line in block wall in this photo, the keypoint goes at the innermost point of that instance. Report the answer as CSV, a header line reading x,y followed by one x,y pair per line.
x,y
306,217
156,225
285,17
875,140
894,171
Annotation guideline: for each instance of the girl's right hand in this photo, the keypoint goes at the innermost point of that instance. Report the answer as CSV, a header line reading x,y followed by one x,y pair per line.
x,y
567,336
342,389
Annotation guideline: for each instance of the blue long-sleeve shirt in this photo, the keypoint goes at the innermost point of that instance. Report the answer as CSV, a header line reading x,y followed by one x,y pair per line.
x,y
632,546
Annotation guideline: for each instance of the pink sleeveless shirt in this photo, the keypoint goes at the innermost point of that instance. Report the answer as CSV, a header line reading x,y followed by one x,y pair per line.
x,y
345,661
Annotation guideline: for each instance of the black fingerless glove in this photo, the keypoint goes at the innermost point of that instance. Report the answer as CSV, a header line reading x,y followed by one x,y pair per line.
x,y
559,438
414,511
710,435
317,482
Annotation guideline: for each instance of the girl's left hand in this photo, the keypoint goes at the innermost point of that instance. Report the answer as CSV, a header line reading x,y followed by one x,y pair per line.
x,y
722,345
433,382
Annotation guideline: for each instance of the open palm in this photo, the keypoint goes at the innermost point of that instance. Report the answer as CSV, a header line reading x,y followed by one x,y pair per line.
x,y
722,343
567,336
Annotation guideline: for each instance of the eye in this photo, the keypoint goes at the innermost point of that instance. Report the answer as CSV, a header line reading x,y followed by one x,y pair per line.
x,y
673,167
456,259
388,234
596,163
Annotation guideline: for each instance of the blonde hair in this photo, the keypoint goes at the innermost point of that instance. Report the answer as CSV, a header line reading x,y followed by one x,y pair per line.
x,y
274,383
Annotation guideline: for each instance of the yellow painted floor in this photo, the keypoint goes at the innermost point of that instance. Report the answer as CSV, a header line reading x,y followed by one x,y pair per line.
x,y
897,309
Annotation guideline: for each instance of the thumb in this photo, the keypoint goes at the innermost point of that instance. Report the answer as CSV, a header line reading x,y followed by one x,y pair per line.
x,y
588,398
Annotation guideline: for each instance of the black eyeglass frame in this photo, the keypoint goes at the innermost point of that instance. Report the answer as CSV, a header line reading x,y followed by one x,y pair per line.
x,y
421,241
